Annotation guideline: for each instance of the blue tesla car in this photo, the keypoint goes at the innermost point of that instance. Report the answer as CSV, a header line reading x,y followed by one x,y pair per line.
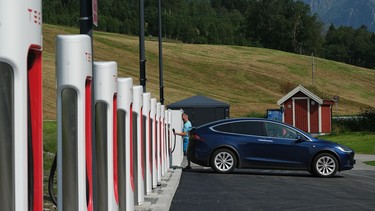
x,y
260,143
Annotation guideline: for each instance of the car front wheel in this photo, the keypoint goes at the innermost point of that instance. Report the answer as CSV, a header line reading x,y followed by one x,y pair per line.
x,y
325,165
223,161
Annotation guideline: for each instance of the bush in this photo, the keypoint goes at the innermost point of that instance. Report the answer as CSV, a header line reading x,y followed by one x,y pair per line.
x,y
345,124
363,122
286,87
368,119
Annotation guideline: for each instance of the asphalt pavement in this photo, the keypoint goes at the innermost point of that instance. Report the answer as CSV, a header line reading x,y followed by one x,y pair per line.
x,y
161,197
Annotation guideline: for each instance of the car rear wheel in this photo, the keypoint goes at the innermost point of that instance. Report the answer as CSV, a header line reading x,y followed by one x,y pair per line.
x,y
223,161
325,165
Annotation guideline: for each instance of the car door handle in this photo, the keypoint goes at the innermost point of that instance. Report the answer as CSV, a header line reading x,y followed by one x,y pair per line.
x,y
265,140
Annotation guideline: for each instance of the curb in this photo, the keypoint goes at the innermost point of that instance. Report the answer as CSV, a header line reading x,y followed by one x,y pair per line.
x,y
161,197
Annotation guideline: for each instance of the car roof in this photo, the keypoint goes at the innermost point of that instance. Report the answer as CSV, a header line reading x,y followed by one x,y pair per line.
x,y
222,121
233,120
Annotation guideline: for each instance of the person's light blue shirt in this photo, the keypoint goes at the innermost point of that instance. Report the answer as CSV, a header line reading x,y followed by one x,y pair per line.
x,y
187,127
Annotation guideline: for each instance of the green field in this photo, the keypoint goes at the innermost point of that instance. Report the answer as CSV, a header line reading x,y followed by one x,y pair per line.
x,y
362,143
250,79
49,152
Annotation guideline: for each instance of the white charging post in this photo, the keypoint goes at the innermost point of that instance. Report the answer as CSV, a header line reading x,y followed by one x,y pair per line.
x,y
21,112
125,144
105,122
167,138
146,110
177,124
153,143
138,145
170,137
158,140
162,140
74,71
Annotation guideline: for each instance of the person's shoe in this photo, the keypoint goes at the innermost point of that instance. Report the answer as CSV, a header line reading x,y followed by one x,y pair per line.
x,y
187,168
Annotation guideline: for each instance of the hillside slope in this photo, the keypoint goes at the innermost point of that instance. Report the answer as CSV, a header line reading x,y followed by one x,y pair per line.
x,y
249,79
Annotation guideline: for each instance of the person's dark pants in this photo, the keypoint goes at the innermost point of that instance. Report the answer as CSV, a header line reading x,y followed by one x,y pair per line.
x,y
185,154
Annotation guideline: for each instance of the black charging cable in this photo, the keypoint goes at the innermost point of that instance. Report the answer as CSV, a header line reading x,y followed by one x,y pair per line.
x,y
174,135
50,181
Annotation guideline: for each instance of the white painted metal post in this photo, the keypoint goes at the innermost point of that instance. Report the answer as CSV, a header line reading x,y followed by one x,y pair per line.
x,y
21,126
177,124
162,140
138,145
167,139
105,122
74,71
154,141
158,143
147,141
125,143
171,137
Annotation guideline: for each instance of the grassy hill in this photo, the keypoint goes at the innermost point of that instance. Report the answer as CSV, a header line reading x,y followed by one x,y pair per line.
x,y
249,79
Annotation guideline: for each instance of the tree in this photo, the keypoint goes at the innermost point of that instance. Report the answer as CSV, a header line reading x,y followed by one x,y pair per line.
x,y
283,24
351,46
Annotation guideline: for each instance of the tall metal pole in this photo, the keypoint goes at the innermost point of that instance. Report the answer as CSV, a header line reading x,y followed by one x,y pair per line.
x,y
161,83
142,57
85,19
313,68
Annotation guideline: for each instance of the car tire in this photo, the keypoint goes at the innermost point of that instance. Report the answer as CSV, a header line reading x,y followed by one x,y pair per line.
x,y
223,161
325,165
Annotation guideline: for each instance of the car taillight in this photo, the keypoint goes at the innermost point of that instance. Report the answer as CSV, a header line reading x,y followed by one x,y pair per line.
x,y
196,137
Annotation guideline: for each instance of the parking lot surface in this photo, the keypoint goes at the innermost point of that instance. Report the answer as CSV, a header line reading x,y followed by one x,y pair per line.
x,y
203,189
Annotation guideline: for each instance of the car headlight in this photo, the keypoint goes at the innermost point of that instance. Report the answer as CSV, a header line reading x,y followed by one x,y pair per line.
x,y
344,149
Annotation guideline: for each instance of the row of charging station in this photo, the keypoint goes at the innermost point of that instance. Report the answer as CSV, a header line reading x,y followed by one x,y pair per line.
x,y
114,141
113,147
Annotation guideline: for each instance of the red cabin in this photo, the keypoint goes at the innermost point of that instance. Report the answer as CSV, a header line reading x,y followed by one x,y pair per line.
x,y
306,111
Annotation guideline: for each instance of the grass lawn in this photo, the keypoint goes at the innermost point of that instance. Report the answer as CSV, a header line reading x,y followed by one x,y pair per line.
x,y
50,149
49,143
50,136
362,143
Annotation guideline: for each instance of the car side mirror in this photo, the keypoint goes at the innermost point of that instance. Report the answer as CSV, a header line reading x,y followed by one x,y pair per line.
x,y
300,138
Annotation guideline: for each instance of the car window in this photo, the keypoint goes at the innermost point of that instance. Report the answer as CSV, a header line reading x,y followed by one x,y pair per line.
x,y
242,127
224,128
280,131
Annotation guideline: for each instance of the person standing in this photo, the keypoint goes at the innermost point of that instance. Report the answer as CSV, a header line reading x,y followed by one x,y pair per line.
x,y
185,135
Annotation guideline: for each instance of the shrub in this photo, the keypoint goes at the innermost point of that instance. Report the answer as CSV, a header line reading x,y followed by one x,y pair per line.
x,y
364,121
286,87
345,124
368,119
